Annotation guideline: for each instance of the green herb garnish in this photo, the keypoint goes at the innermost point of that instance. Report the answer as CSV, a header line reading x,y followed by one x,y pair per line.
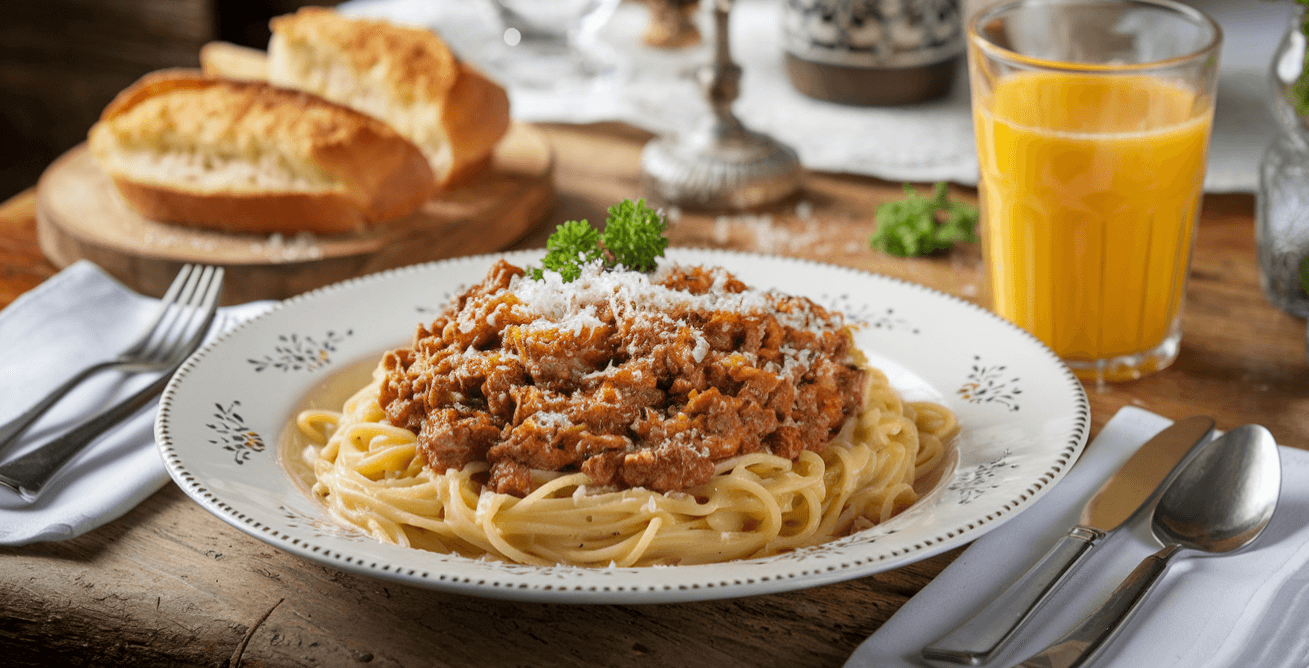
x,y
1299,90
573,244
633,237
911,226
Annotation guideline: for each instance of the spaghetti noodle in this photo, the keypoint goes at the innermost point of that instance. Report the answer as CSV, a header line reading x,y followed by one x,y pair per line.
x,y
377,475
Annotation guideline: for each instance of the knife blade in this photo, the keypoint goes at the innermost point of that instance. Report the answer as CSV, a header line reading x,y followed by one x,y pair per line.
x,y
1132,490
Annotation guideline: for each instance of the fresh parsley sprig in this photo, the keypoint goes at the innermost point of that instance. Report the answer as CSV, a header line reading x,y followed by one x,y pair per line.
x,y
633,237
916,226
573,244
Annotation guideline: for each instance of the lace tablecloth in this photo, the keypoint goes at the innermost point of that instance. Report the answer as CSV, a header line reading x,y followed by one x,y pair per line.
x,y
927,142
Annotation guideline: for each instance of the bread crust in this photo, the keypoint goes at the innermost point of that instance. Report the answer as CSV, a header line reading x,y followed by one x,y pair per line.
x,y
233,61
418,64
246,213
357,169
476,119
470,110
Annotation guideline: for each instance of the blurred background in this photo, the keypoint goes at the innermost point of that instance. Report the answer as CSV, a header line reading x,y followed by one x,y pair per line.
x,y
62,61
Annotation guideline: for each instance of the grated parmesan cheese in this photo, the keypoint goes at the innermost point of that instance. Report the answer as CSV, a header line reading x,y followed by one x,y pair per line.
x,y
701,348
553,304
551,420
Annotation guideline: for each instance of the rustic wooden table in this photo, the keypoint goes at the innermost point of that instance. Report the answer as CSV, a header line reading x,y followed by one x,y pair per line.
x,y
171,585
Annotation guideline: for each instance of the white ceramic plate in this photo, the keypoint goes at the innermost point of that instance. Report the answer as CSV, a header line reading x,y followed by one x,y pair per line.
x,y
1024,420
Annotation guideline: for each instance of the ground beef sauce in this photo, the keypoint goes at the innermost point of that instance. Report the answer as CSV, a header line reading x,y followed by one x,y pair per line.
x,y
638,380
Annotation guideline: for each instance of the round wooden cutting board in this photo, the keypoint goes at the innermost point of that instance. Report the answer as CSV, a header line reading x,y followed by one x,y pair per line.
x,y
80,215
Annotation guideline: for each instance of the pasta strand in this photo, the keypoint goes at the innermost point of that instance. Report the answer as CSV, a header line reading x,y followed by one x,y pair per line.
x,y
370,475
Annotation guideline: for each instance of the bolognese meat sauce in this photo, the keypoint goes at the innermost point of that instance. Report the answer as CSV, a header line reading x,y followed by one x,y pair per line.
x,y
637,380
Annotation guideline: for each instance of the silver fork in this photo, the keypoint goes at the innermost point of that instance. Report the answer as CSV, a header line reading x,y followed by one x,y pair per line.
x,y
29,473
191,298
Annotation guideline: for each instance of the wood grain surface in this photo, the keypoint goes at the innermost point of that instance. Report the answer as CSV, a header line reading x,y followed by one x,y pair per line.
x,y
170,585
81,216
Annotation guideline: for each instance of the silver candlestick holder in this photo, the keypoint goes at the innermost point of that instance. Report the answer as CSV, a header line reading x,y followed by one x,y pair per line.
x,y
720,163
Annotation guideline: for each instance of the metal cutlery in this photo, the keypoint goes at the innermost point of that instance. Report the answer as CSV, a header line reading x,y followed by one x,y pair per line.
x,y
1221,501
28,474
1131,491
191,299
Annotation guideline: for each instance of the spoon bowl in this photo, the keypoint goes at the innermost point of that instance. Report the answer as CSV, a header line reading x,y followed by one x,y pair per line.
x,y
1220,501
1224,497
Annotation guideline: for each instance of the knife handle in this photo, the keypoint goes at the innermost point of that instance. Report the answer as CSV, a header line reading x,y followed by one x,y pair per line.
x,y
29,473
976,640
1079,646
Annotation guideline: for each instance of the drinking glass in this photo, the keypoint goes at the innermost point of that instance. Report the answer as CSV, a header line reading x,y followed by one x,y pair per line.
x,y
1092,120
552,44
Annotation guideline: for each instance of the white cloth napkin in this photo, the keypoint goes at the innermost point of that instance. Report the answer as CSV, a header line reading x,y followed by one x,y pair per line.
x,y
79,317
924,142
1244,609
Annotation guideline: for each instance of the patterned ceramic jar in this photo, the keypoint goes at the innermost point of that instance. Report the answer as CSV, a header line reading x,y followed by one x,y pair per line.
x,y
872,52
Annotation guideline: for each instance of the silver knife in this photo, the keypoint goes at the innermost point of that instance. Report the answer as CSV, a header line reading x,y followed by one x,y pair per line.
x,y
1133,489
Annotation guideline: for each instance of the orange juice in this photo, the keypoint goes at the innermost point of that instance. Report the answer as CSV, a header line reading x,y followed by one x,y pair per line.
x,y
1090,188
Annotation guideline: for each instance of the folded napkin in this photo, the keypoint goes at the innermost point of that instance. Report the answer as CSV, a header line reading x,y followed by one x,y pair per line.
x,y
77,318
1243,609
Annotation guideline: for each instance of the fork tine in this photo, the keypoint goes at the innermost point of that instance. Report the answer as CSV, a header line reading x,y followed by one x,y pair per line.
x,y
174,324
206,310
200,312
184,276
212,296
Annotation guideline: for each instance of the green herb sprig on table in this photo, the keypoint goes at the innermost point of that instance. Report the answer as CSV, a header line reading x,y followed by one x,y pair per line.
x,y
1299,90
915,226
633,237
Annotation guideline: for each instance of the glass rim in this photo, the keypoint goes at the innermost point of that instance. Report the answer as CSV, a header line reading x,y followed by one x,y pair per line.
x,y
995,51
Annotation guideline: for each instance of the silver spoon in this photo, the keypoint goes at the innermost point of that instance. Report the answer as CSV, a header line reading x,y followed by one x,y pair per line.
x,y
1220,502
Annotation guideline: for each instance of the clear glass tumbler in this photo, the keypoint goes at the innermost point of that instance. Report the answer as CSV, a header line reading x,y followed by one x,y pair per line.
x,y
1282,200
1093,120
552,44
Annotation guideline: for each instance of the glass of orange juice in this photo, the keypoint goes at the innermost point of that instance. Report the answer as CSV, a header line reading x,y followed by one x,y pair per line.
x,y
1092,120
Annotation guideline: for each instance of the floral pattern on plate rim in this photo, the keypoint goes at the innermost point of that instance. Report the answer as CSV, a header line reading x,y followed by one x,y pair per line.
x,y
296,352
